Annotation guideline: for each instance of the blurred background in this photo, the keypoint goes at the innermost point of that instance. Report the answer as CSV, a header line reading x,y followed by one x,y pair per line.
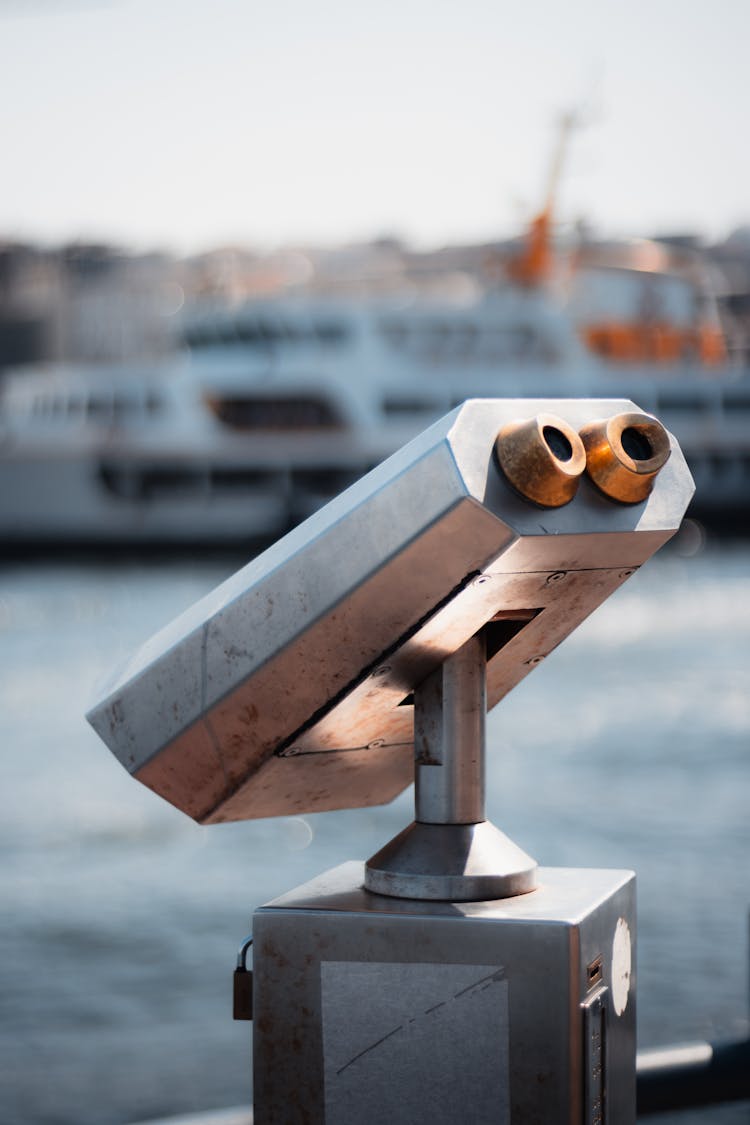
x,y
245,253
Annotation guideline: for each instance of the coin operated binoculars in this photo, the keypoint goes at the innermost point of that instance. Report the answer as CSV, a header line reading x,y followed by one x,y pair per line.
x,y
448,978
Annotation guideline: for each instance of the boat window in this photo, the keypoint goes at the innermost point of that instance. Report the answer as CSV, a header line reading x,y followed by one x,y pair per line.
x,y
719,465
227,333
128,483
331,332
170,481
737,400
121,407
196,337
396,332
263,332
684,401
98,407
256,413
143,484
467,340
324,481
239,479
256,332
396,407
117,481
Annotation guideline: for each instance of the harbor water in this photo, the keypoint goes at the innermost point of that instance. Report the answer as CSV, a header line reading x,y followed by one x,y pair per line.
x,y
629,747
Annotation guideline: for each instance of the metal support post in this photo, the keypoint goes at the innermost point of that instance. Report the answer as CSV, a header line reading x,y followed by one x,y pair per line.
x,y
450,852
449,739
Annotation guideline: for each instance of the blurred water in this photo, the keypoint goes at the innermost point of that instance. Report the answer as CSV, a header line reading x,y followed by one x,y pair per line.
x,y
630,747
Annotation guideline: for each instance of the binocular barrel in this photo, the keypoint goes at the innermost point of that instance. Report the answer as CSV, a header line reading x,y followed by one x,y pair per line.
x,y
291,687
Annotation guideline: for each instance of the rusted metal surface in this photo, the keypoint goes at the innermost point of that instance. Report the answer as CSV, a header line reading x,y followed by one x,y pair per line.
x,y
543,458
624,454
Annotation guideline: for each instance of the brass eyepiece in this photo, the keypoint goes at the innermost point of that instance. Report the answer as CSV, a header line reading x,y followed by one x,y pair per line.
x,y
543,459
624,455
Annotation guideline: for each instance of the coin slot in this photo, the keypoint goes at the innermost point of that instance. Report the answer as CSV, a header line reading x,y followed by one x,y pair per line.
x,y
594,972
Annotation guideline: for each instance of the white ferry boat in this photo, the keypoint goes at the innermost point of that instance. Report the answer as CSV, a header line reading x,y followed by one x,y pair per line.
x,y
274,406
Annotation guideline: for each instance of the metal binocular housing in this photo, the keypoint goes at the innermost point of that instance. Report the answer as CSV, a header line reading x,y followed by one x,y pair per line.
x,y
291,688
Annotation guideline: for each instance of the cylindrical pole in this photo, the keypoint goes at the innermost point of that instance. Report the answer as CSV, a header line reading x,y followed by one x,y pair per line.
x,y
451,852
449,741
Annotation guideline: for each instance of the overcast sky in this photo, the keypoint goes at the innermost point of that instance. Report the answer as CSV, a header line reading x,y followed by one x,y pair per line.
x,y
186,123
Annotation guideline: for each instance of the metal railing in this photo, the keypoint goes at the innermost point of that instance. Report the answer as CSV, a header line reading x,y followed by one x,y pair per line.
x,y
697,1074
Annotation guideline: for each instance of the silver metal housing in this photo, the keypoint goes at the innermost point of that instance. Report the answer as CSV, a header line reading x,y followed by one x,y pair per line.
x,y
289,688
370,1009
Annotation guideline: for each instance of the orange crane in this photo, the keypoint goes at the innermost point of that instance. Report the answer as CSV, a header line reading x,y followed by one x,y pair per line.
x,y
533,266
639,339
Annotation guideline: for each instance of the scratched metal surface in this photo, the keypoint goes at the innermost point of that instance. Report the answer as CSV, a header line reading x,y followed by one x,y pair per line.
x,y
121,917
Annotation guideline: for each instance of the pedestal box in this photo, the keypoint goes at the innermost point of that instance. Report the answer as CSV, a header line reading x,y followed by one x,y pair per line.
x,y
381,1011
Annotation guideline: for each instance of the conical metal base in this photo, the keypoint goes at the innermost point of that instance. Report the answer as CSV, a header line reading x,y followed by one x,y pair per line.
x,y
451,863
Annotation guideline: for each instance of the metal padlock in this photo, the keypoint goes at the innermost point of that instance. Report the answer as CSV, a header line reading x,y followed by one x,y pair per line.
x,y
243,985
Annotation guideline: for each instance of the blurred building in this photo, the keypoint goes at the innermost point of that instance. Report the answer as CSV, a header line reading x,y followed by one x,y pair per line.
x,y
29,296
85,303
732,257
97,304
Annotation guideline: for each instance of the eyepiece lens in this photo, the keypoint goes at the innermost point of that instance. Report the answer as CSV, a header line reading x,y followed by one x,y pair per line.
x,y
636,444
558,443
